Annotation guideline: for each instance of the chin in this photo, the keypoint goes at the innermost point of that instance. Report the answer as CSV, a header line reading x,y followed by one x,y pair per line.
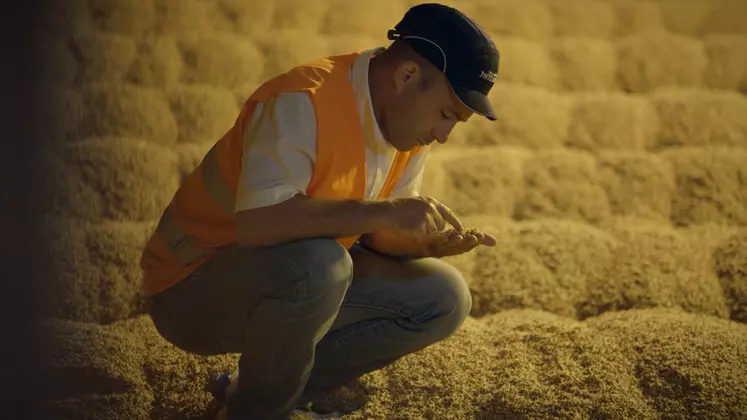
x,y
398,145
405,148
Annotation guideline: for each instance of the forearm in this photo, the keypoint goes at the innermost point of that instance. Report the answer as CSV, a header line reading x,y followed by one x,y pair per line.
x,y
304,217
390,243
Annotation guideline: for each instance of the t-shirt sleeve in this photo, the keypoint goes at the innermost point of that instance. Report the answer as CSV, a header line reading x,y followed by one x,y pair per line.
x,y
412,176
279,152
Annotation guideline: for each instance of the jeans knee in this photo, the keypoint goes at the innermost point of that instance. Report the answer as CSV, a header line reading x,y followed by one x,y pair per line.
x,y
451,296
327,264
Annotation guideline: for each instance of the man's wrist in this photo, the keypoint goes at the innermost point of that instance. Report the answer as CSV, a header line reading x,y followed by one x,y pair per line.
x,y
380,214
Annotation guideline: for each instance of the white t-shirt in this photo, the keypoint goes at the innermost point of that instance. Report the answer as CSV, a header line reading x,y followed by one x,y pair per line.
x,y
280,150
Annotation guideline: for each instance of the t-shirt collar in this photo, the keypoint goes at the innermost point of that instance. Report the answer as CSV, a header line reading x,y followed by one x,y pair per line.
x,y
372,132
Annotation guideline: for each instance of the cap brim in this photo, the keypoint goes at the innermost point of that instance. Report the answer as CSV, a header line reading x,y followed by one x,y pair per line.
x,y
476,101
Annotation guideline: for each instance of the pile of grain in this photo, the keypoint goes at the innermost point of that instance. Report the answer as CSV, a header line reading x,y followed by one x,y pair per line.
x,y
614,179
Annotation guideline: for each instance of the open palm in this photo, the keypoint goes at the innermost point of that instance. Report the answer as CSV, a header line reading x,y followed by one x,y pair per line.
x,y
451,242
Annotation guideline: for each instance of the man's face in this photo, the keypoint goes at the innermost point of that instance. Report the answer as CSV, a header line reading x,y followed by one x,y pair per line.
x,y
421,115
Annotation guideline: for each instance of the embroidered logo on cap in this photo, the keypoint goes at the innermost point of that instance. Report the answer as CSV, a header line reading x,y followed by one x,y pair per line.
x,y
489,76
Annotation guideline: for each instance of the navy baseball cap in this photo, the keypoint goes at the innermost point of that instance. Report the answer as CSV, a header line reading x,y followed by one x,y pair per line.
x,y
454,43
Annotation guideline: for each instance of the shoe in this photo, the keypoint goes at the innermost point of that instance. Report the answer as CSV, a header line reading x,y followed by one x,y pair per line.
x,y
313,415
297,415
223,384
218,386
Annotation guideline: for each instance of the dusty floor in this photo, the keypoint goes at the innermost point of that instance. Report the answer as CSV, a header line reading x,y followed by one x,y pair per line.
x,y
615,181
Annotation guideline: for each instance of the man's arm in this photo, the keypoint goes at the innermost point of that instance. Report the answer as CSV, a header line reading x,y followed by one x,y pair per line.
x,y
444,243
305,217
388,242
277,165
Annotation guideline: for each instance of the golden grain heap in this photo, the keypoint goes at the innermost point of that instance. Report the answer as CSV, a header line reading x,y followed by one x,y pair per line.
x,y
615,180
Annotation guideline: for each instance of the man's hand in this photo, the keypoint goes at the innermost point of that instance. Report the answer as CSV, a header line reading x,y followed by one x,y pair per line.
x,y
417,227
452,242
420,217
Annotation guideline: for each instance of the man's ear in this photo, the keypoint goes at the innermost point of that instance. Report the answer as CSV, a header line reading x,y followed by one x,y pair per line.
x,y
406,74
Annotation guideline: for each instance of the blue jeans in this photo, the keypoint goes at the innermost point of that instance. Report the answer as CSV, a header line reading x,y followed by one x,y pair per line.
x,y
308,315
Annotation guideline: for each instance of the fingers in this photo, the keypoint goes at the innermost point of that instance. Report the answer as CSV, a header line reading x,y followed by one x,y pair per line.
x,y
470,241
440,222
460,243
449,216
434,219
455,240
453,243
466,244
489,240
486,239
433,225
440,239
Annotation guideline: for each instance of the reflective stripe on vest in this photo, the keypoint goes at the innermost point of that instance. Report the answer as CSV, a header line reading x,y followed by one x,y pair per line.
x,y
181,244
220,192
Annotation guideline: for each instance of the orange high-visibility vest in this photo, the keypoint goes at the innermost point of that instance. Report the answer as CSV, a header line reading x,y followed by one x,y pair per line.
x,y
200,218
